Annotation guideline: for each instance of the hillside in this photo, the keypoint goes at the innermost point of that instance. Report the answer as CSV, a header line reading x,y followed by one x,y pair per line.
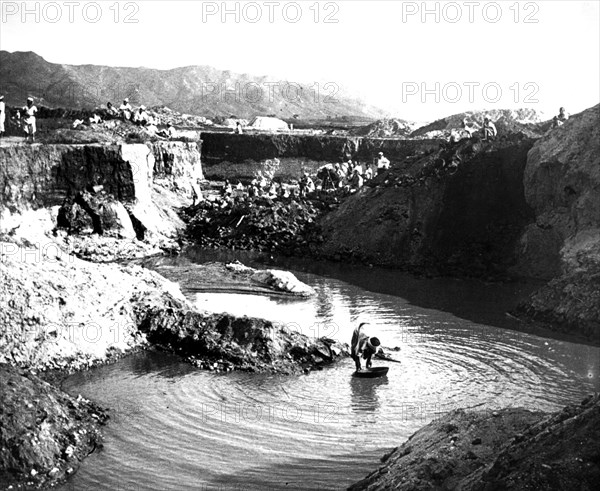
x,y
194,89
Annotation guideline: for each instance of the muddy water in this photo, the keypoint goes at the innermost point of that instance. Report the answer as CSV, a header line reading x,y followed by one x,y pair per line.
x,y
176,428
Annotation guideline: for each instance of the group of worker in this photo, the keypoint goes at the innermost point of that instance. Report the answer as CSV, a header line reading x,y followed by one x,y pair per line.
x,y
350,176
488,129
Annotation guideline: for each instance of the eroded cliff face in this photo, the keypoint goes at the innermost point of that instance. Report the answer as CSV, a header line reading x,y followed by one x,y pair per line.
x,y
149,179
562,185
424,215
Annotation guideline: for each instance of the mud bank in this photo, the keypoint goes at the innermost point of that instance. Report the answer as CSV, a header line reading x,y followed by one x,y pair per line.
x,y
232,156
223,342
60,312
506,449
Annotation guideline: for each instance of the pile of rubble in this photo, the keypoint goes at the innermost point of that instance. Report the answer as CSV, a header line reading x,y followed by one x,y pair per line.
x,y
285,225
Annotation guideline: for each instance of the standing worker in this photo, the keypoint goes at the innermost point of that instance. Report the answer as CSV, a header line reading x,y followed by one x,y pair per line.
x,y
29,112
382,163
363,345
489,130
2,115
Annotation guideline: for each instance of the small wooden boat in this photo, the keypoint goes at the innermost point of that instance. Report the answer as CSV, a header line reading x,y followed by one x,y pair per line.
x,y
372,372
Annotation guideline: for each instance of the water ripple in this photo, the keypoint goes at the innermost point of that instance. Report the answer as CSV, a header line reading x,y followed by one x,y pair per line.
x,y
176,428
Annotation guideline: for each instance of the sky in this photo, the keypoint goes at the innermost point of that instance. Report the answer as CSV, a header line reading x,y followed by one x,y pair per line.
x,y
415,60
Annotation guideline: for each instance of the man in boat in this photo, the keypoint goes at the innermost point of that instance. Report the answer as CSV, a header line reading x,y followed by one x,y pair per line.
x,y
363,345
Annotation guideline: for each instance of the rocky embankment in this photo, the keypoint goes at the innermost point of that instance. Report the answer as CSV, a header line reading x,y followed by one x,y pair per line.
x,y
562,186
512,449
44,433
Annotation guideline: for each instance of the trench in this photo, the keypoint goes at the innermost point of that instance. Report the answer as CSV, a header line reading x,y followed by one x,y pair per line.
x,y
175,427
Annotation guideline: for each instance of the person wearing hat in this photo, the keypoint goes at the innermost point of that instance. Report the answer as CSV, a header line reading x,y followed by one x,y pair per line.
x,y
363,345
2,115
125,109
382,163
141,116
29,112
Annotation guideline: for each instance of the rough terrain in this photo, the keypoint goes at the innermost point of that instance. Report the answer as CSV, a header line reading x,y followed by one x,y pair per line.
x,y
508,449
562,186
499,209
44,433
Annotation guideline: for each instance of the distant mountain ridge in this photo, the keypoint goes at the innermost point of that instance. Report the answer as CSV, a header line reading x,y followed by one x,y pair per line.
x,y
201,90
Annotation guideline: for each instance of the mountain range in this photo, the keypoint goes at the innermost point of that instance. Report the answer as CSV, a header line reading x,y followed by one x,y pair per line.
x,y
201,90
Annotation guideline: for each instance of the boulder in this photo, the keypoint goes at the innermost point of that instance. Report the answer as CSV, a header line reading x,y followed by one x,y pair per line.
x,y
99,213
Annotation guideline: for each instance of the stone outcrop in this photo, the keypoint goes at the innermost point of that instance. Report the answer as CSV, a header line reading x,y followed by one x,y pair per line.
x,y
44,433
95,213
510,449
562,185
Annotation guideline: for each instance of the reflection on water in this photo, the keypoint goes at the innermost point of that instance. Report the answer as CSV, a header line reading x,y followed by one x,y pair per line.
x,y
364,393
178,428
